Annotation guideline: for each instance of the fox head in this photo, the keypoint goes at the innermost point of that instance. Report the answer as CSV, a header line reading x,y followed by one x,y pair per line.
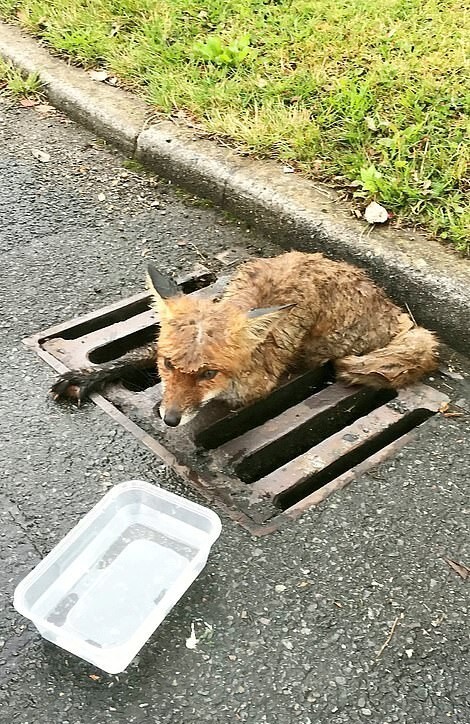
x,y
204,347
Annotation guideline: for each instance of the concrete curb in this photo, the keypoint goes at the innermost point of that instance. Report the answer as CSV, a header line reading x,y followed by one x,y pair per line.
x,y
414,270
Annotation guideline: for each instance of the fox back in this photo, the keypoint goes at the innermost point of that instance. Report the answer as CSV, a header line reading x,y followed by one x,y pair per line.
x,y
276,315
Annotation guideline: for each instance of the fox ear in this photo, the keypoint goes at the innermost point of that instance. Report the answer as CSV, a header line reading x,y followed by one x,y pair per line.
x,y
161,285
267,311
262,319
162,288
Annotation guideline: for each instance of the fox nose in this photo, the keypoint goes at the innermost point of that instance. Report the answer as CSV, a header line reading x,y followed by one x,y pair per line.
x,y
172,418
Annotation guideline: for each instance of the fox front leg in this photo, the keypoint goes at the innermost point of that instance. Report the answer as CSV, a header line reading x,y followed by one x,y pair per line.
x,y
79,384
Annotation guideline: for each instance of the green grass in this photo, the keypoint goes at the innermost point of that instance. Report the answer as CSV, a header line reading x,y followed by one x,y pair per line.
x,y
17,85
371,95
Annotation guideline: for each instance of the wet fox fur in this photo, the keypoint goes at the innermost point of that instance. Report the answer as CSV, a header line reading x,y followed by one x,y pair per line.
x,y
280,315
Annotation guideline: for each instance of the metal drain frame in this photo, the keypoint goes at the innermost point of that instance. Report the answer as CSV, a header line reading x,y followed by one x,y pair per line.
x,y
254,505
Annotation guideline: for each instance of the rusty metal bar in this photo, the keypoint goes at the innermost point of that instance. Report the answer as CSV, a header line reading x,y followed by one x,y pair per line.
x,y
273,431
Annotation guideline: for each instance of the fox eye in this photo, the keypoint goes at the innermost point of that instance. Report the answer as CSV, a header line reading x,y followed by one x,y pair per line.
x,y
207,374
168,364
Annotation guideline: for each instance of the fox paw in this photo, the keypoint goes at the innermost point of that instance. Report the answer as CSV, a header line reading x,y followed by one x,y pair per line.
x,y
72,386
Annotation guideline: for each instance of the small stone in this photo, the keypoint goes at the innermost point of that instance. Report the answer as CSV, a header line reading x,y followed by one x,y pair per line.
x,y
280,588
375,213
366,712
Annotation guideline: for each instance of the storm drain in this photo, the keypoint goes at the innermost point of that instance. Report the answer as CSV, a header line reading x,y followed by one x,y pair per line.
x,y
263,464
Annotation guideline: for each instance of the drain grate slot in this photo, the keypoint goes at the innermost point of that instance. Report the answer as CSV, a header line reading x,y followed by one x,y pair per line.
x,y
350,459
138,380
121,345
299,428
265,463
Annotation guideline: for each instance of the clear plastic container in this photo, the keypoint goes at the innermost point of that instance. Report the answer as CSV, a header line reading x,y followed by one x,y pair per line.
x,y
105,588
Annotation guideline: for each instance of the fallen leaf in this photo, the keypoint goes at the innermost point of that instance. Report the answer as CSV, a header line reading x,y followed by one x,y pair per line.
x,y
181,242
28,102
99,75
41,155
370,123
192,641
45,108
375,213
444,410
101,197
462,570
94,677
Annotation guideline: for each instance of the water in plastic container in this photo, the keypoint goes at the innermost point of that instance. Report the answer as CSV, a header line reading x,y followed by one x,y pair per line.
x,y
104,589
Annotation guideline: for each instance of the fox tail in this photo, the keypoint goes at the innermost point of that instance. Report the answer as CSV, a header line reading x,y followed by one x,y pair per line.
x,y
408,356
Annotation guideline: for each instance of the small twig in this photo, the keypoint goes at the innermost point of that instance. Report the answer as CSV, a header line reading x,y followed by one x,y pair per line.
x,y
411,314
366,230
423,155
460,568
324,193
389,637
193,246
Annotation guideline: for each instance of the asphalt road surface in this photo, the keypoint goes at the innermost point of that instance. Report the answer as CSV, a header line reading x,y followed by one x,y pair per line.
x,y
292,623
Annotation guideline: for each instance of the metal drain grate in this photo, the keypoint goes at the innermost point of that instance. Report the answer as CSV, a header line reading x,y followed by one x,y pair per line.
x,y
265,463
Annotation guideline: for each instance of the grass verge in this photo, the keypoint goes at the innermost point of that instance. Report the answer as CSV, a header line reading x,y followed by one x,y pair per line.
x,y
371,96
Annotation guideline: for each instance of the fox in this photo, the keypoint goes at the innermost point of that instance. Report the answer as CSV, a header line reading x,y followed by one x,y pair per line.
x,y
276,316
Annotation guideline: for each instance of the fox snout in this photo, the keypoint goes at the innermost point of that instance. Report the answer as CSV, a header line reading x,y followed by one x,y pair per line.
x,y
173,416
181,398
185,394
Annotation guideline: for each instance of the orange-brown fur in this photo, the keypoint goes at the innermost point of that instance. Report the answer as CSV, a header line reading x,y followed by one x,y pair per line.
x,y
338,314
